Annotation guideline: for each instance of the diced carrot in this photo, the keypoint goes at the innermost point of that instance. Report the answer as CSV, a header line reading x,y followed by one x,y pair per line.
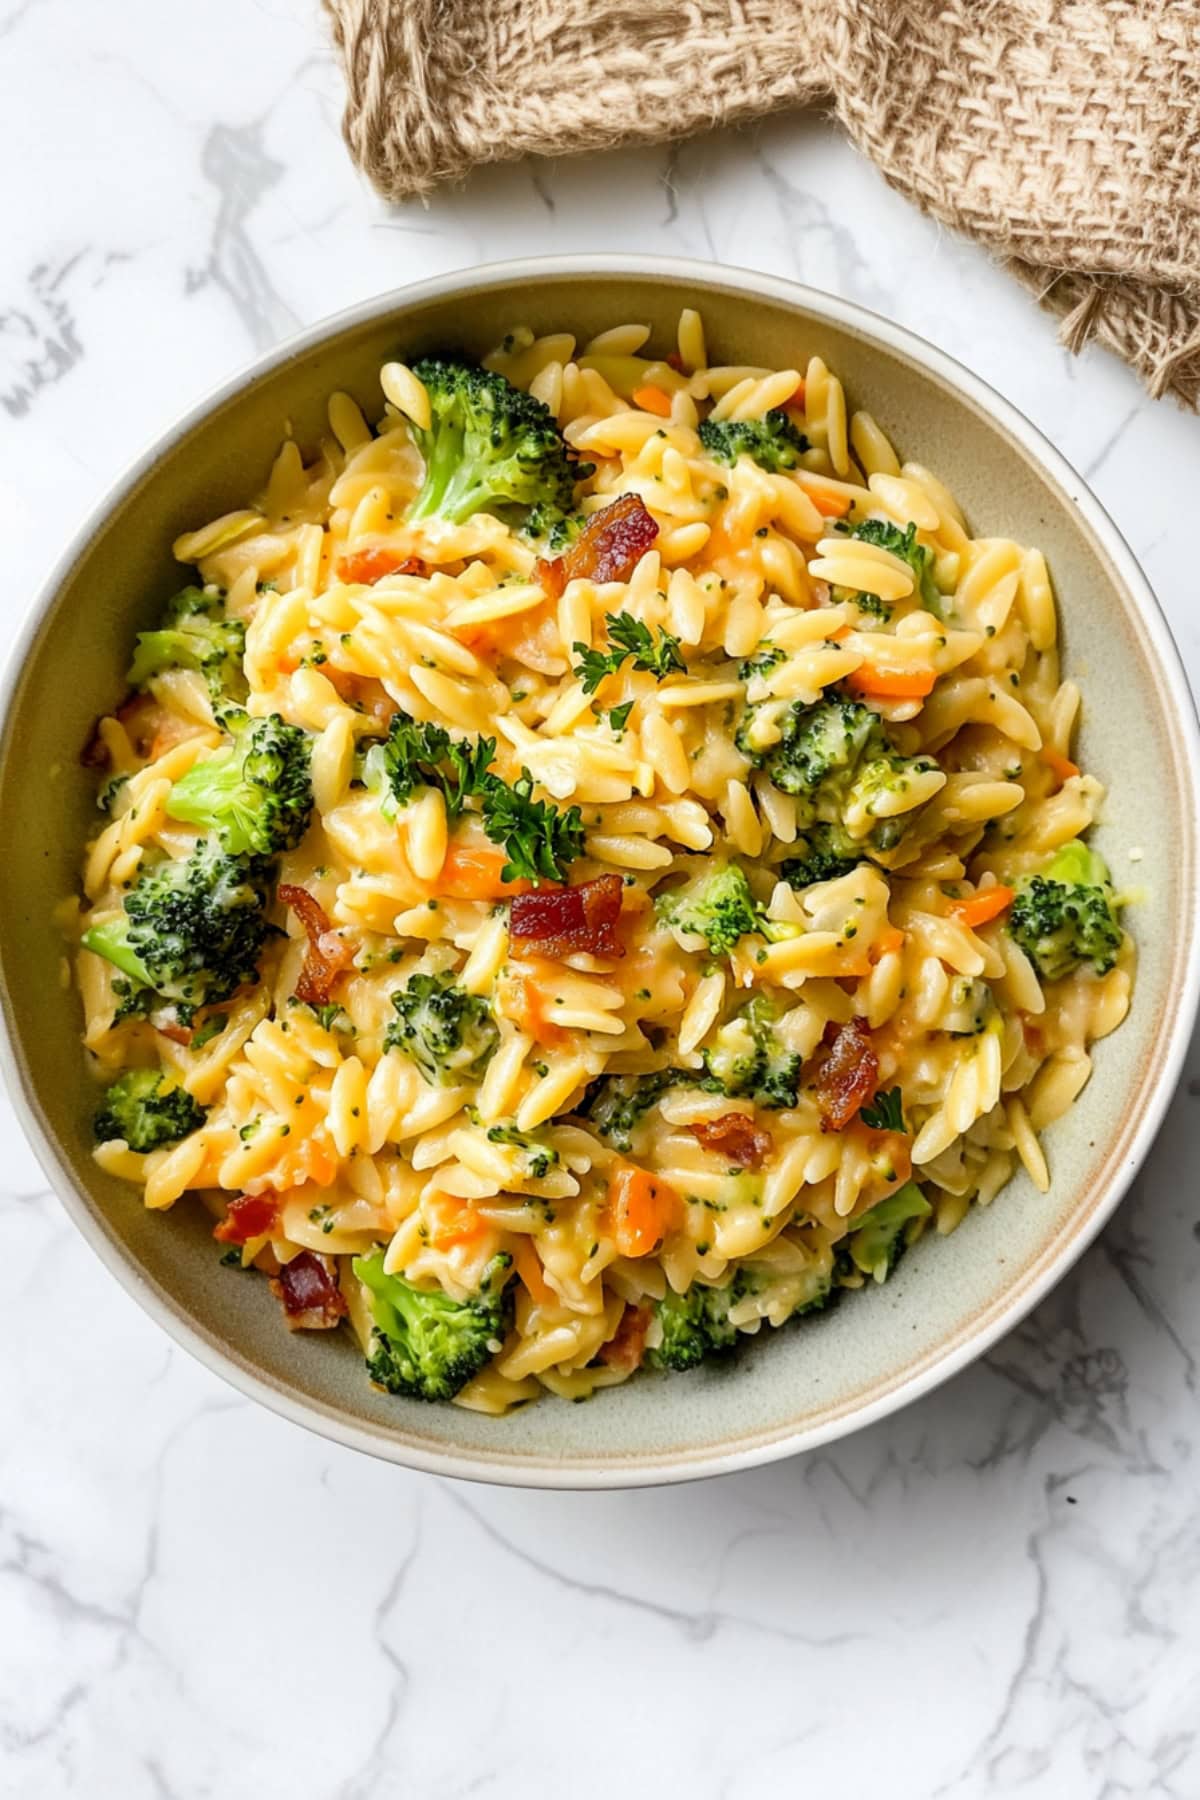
x,y
314,1159
892,684
1060,765
642,1209
797,398
889,939
652,399
529,1267
471,872
978,908
829,501
529,1013
452,1222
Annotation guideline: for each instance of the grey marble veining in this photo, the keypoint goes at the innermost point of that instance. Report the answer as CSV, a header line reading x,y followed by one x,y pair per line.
x,y
996,1592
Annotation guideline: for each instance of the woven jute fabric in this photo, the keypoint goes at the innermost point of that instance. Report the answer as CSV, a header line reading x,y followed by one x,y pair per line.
x,y
1063,136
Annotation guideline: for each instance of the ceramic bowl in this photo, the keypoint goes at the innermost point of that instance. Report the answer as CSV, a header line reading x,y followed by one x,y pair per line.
x,y
950,1299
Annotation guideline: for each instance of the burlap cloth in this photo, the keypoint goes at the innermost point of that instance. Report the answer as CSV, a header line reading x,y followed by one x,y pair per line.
x,y
1063,136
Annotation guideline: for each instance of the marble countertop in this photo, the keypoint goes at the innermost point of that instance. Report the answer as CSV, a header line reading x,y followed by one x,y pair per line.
x,y
997,1591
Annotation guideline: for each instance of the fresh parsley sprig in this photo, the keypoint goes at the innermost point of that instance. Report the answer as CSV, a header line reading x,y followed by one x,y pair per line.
x,y
656,656
538,838
885,1112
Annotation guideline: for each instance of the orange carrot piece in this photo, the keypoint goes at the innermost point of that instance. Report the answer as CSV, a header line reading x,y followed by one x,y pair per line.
x,y
529,1013
828,501
892,684
978,908
797,398
528,1265
892,938
642,1209
652,399
471,872
1060,765
453,1222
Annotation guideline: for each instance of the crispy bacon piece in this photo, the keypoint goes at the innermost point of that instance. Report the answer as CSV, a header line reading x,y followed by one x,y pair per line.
x,y
627,1346
574,918
847,1076
736,1138
327,955
247,1216
609,547
308,1288
369,566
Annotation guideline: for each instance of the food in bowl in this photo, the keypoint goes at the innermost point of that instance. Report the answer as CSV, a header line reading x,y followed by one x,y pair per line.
x,y
591,864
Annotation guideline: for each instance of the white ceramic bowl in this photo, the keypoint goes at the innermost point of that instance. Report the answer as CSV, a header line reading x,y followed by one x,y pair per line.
x,y
950,1299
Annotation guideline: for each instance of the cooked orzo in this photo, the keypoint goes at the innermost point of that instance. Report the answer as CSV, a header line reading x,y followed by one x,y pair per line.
x,y
593,862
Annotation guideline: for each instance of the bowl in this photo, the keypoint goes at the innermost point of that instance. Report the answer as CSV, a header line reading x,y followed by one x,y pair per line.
x,y
950,1299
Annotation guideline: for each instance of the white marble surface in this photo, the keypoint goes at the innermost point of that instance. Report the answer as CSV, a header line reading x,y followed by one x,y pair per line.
x,y
997,1592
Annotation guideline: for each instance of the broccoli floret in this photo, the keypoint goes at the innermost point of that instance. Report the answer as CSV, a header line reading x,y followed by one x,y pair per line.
x,y
191,931
538,1156
695,1325
615,1104
824,744
836,756
255,793
885,1112
904,545
194,634
489,447
1066,915
747,1059
449,1034
146,1109
719,908
558,530
767,656
424,1344
772,441
879,1236
826,851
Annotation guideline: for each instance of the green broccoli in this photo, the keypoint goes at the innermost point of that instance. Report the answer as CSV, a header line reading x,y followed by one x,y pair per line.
x,y
489,447
191,931
255,793
768,656
424,1344
538,1156
904,545
836,757
880,1235
746,1058
826,851
194,634
718,907
695,1325
146,1108
1066,914
615,1104
885,1112
773,441
450,1034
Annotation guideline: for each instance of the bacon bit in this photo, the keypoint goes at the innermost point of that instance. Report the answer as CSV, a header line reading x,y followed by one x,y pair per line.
x,y
94,754
365,567
736,1138
327,955
574,919
627,1346
797,398
848,1075
675,361
247,1216
178,1034
609,547
308,1288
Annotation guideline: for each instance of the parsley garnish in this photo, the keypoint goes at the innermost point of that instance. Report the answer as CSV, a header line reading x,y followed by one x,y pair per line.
x,y
632,638
885,1112
618,717
538,839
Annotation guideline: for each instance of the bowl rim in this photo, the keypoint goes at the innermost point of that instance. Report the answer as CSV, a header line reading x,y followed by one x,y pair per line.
x,y
539,1470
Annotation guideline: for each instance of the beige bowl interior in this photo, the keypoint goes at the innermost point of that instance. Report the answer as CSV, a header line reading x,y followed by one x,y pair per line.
x,y
950,1297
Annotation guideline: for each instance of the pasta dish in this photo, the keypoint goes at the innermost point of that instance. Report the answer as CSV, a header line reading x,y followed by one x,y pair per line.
x,y
591,864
